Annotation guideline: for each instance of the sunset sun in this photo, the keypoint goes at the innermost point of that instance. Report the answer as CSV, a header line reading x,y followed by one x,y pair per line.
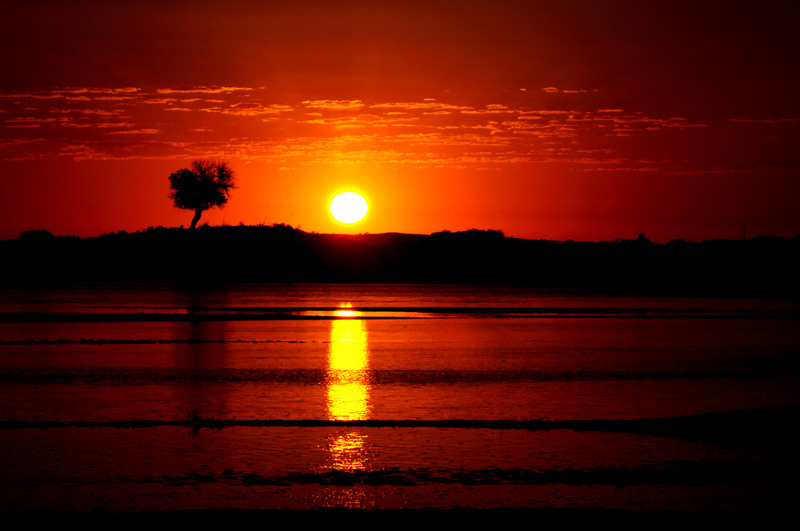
x,y
348,207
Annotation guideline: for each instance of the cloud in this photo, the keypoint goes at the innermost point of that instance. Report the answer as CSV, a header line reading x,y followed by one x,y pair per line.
x,y
489,111
30,119
249,109
337,105
115,98
204,90
95,112
169,123
426,104
554,90
362,120
136,132
163,101
97,90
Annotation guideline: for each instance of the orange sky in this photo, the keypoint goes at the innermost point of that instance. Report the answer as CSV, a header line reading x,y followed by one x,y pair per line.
x,y
583,120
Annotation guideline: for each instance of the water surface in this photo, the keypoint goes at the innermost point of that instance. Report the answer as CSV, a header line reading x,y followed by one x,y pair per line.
x,y
379,352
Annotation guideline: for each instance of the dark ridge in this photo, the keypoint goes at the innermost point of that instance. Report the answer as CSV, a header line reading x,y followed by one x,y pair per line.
x,y
763,266
80,317
776,369
460,310
708,472
758,514
137,341
771,427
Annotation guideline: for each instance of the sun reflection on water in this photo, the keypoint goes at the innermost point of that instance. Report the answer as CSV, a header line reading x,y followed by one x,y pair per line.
x,y
348,360
348,452
348,389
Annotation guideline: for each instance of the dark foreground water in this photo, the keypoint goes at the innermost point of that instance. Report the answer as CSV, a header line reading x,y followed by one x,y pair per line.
x,y
384,397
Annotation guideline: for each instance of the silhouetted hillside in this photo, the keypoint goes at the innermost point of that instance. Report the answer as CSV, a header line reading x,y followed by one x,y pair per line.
x,y
760,266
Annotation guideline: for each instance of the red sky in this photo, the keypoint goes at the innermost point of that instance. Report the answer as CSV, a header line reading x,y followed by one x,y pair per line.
x,y
569,119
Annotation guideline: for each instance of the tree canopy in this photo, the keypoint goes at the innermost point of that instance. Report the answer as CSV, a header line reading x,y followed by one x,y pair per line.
x,y
207,184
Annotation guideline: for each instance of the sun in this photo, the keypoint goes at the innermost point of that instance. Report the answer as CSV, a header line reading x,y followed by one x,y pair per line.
x,y
348,207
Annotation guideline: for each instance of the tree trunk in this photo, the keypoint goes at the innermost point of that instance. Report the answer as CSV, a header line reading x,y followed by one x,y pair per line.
x,y
196,218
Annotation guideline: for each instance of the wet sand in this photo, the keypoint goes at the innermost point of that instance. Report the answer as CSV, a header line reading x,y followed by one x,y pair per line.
x,y
723,464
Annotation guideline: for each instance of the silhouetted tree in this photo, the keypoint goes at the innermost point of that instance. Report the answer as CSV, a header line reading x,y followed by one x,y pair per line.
x,y
204,186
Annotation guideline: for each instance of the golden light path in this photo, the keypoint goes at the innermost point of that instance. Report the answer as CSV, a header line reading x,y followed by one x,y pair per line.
x,y
349,207
348,387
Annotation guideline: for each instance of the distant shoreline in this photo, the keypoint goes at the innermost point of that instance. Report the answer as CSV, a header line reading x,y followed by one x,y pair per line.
x,y
325,516
743,422
761,266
